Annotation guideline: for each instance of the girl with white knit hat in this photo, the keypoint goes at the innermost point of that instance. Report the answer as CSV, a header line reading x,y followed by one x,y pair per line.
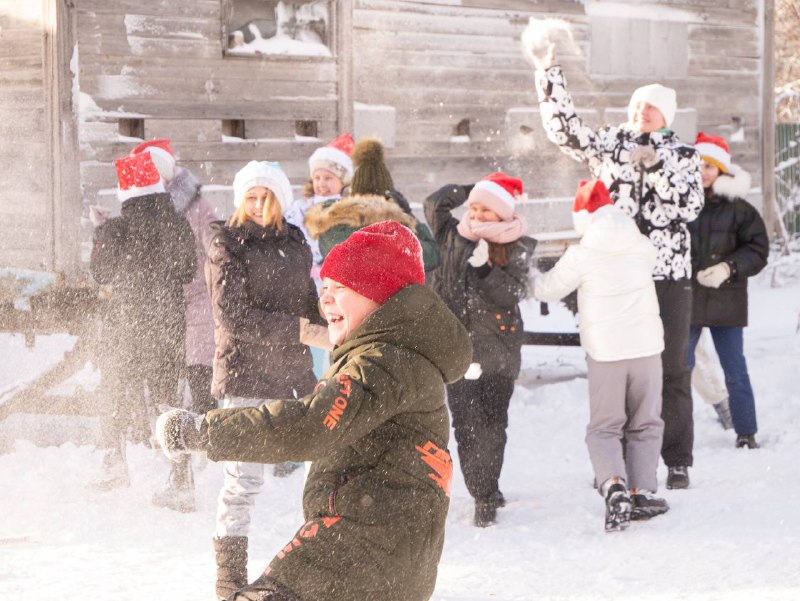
x,y
265,314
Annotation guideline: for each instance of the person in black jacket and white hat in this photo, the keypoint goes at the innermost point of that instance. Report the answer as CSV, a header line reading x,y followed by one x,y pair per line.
x,y
729,245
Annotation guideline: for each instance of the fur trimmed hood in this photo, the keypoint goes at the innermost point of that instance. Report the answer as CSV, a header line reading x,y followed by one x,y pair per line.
x,y
734,185
355,211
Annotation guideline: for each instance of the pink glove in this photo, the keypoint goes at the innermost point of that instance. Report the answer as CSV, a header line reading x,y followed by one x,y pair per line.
x,y
714,276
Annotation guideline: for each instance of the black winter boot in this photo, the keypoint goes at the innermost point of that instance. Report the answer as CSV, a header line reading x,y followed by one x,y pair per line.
x,y
746,441
618,505
231,552
677,477
646,505
485,512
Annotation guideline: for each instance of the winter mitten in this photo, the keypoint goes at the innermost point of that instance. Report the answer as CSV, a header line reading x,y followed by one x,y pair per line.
x,y
98,215
179,431
536,45
714,276
480,256
312,334
644,155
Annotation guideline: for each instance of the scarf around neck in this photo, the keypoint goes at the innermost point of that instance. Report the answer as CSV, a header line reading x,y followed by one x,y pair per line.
x,y
499,232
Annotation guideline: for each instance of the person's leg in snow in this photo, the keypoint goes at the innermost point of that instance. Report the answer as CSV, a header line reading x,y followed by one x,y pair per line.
x,y
479,410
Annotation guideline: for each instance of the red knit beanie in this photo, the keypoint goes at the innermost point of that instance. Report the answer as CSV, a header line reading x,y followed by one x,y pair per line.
x,y
377,261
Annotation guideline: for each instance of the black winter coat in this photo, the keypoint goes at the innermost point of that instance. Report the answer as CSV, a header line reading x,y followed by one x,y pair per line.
x,y
259,283
486,300
730,230
145,255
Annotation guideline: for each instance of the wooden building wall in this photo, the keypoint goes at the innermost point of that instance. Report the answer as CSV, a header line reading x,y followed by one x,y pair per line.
x,y
424,65
439,62
165,63
24,240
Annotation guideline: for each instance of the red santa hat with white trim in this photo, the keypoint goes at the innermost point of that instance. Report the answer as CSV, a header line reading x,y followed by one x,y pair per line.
x,y
137,176
714,150
160,150
590,196
335,157
498,192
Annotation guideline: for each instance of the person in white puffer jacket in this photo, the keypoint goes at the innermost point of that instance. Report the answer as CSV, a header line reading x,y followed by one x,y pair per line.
x,y
623,337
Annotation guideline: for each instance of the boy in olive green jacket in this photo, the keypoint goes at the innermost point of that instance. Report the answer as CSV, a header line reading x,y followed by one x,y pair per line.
x,y
376,429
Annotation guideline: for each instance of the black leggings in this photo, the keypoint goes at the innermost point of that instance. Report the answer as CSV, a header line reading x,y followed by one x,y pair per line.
x,y
480,418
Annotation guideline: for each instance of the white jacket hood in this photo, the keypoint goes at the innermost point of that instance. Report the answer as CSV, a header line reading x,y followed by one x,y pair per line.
x,y
610,229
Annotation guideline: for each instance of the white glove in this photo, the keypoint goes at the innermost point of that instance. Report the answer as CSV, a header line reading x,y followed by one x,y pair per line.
x,y
98,215
312,334
473,372
644,155
480,256
179,432
536,45
714,276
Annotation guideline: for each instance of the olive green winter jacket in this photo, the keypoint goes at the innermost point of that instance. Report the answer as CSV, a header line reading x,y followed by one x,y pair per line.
x,y
376,429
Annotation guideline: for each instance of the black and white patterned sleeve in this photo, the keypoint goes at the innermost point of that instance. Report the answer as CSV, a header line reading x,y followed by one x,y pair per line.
x,y
560,120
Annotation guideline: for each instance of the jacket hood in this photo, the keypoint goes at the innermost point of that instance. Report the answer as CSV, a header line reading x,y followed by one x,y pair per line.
x,y
610,229
183,189
416,319
356,212
735,184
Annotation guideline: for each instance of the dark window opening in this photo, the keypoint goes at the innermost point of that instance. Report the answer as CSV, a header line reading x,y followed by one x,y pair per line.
x,y
306,128
233,128
132,128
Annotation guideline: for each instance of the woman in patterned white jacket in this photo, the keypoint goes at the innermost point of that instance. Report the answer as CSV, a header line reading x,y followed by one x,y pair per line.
x,y
655,179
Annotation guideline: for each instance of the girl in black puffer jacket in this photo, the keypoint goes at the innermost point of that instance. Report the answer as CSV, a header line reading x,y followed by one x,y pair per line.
x,y
263,300
729,245
482,277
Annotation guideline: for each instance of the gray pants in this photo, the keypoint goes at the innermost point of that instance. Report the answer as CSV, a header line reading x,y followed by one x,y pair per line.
x,y
242,483
625,404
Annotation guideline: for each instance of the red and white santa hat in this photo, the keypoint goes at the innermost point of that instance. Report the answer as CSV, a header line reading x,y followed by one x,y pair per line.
x,y
377,261
591,196
335,157
137,176
714,150
160,151
498,192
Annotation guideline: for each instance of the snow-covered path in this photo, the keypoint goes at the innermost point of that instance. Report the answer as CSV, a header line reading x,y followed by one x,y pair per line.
x,y
734,535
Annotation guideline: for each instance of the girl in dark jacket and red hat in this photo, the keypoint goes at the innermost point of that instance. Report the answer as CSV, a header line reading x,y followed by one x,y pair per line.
x,y
264,303
482,277
729,245
375,428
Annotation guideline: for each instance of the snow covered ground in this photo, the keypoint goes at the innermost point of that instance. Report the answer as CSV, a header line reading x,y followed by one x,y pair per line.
x,y
734,535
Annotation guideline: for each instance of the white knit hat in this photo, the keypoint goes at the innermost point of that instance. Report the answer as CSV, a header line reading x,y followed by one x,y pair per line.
x,y
263,173
661,97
